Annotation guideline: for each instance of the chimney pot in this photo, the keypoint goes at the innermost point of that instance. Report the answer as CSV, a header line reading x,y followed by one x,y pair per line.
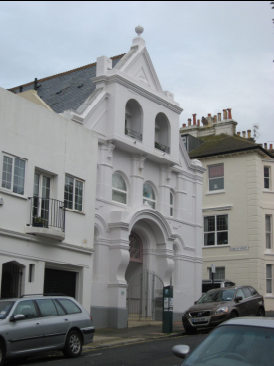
x,y
224,114
209,114
194,119
261,145
265,145
184,124
229,113
249,134
243,134
239,133
189,121
215,118
219,116
198,122
271,146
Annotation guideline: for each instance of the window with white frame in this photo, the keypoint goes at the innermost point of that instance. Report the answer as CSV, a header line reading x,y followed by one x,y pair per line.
x,y
73,196
215,230
269,278
119,188
13,174
268,231
171,202
216,177
219,273
266,177
149,195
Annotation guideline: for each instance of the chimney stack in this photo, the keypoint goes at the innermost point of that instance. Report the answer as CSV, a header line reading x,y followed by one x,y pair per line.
x,y
224,114
249,134
215,118
243,134
219,116
229,113
189,122
194,119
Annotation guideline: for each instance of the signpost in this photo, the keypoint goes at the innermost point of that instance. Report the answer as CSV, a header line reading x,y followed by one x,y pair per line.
x,y
213,270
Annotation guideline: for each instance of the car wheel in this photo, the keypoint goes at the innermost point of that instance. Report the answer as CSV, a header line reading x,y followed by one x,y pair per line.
x,y
2,354
260,312
73,346
233,315
190,331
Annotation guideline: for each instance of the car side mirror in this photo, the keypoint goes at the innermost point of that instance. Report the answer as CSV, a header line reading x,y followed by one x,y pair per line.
x,y
181,350
239,298
15,318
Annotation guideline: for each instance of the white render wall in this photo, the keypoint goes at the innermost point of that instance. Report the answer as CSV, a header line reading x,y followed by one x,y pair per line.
x,y
56,146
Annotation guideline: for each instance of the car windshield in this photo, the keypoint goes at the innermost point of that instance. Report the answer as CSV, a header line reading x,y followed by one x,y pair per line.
x,y
5,307
235,345
217,296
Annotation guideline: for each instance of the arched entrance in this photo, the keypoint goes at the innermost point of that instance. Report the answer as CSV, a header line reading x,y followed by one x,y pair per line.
x,y
145,299
11,280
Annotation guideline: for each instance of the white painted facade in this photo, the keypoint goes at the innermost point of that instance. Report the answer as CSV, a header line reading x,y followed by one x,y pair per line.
x,y
130,112
50,146
246,202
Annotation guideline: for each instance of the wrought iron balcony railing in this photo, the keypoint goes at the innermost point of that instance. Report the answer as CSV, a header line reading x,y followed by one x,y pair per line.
x,y
162,147
47,213
133,134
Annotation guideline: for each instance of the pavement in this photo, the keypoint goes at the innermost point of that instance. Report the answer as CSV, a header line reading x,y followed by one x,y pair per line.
x,y
108,337
113,337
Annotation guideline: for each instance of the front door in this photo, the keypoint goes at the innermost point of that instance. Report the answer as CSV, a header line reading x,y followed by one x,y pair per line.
x,y
25,334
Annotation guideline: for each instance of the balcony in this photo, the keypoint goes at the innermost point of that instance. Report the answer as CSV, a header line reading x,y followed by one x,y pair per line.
x,y
47,218
133,134
162,147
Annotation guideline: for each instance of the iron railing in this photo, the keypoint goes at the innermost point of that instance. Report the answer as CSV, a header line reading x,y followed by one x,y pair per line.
x,y
133,134
162,147
47,212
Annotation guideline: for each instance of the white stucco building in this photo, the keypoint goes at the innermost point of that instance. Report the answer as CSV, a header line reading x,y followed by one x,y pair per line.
x,y
42,247
238,202
148,208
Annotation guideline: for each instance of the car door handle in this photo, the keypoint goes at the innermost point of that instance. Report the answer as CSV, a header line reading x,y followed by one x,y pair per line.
x,y
37,323
65,320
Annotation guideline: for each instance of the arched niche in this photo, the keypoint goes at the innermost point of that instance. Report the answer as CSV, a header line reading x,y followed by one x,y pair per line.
x,y
162,133
134,120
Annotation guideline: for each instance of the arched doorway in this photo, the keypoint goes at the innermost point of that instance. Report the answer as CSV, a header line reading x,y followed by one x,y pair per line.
x,y
11,280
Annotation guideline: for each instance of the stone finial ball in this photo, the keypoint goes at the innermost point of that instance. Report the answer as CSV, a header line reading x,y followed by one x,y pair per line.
x,y
139,30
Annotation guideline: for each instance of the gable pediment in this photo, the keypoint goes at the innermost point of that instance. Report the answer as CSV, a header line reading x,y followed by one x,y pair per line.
x,y
141,69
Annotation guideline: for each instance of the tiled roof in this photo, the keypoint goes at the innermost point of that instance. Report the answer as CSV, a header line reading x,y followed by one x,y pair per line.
x,y
224,144
67,90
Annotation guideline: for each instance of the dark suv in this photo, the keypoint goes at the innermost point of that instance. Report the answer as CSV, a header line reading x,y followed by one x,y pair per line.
x,y
220,304
43,323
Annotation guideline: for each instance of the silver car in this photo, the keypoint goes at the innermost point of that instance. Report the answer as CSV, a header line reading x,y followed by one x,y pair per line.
x,y
43,323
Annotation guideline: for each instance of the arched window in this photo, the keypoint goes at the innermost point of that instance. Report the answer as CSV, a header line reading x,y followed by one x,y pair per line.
x,y
133,120
119,188
171,202
149,195
162,133
135,248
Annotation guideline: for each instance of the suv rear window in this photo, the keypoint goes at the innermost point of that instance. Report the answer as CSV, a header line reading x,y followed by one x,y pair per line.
x,y
69,306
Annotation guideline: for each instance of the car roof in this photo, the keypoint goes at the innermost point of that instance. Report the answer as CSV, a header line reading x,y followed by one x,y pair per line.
x,y
36,297
217,281
251,321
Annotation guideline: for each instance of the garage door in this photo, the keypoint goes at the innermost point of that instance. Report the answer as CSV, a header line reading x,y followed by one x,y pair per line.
x,y
61,282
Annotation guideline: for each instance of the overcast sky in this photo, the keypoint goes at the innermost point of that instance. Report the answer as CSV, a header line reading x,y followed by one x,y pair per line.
x,y
211,55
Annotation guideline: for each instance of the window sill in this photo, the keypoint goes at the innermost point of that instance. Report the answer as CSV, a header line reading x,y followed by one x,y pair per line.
x,y
267,191
269,296
208,193
269,252
75,211
216,246
13,194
